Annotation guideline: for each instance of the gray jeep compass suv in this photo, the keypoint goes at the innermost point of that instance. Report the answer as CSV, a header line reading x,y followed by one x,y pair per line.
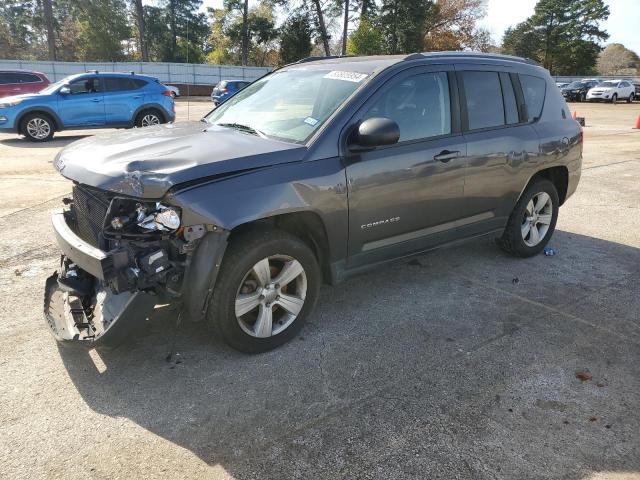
x,y
311,174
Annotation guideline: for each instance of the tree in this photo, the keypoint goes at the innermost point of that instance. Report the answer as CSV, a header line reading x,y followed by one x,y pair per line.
x,y
103,26
452,25
367,39
295,39
615,59
51,38
322,28
563,35
140,24
403,23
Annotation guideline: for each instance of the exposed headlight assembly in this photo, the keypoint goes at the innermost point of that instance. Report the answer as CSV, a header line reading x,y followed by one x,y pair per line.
x,y
162,219
127,216
11,103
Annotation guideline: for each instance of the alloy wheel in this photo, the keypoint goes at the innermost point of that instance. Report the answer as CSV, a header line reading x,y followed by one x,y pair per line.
x,y
271,296
38,128
537,219
150,119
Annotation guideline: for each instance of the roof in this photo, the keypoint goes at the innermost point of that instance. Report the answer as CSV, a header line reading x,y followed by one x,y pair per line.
x,y
370,64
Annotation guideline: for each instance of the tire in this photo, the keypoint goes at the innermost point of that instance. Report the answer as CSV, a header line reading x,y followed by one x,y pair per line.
x,y
516,238
149,117
256,330
173,94
630,99
37,127
614,98
583,97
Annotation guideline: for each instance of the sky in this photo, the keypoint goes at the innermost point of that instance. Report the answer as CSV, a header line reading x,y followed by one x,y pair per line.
x,y
623,24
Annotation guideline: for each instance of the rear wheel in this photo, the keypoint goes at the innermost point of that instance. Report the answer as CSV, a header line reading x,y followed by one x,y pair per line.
x,y
148,118
37,127
532,221
267,285
630,99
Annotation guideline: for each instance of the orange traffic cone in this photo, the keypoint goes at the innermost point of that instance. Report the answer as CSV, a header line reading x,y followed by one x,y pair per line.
x,y
637,123
575,115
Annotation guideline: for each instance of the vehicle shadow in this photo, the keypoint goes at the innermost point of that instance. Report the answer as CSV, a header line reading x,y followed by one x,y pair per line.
x,y
56,142
456,364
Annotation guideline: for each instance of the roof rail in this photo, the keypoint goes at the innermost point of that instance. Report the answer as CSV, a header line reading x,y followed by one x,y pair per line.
x,y
317,57
493,56
92,71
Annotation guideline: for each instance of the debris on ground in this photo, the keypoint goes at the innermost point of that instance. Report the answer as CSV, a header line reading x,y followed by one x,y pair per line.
x,y
583,376
515,280
550,251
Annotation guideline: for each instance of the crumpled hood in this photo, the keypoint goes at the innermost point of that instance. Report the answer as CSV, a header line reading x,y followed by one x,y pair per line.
x,y
146,162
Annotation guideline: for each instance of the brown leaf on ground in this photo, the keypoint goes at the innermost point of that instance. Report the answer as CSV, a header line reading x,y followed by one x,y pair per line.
x,y
593,419
583,376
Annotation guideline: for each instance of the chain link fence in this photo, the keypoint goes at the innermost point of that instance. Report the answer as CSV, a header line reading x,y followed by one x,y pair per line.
x,y
167,73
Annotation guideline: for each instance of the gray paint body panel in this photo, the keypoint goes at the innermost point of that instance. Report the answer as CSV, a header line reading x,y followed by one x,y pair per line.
x,y
226,178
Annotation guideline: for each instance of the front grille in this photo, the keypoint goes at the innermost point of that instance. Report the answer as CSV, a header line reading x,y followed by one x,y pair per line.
x,y
90,207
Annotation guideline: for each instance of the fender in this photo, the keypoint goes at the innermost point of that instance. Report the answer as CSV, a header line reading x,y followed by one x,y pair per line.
x,y
39,108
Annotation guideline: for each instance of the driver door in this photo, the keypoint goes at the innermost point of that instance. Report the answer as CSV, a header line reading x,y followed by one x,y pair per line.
x,y
84,106
406,197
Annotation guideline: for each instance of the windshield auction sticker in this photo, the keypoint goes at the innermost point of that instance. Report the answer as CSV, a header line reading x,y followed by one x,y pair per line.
x,y
348,76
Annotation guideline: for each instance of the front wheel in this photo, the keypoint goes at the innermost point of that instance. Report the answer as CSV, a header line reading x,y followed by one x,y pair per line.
x,y
268,284
37,127
614,98
532,220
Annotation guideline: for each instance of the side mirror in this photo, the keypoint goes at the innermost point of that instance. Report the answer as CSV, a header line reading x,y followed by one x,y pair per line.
x,y
65,90
375,132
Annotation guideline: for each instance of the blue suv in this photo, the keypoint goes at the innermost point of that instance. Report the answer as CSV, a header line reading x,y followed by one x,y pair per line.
x,y
88,100
226,89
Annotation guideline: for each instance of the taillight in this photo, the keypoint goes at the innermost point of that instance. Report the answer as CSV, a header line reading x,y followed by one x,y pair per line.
x,y
167,93
225,90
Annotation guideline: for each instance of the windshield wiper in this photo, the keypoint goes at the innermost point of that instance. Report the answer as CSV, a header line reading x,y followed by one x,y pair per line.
x,y
244,128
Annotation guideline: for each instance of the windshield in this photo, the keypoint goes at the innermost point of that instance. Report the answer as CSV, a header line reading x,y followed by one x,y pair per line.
x,y
288,105
53,87
576,85
608,84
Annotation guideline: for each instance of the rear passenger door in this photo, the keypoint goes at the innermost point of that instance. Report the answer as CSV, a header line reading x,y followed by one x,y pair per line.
x,y
122,97
499,140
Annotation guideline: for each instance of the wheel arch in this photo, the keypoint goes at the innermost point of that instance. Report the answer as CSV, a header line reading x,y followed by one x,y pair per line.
x,y
57,123
150,106
306,225
558,175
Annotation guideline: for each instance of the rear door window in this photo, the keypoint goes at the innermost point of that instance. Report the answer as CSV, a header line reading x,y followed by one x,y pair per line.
x,y
484,103
26,78
115,84
533,89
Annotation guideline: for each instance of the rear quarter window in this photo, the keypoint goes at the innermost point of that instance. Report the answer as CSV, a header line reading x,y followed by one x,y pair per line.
x,y
5,78
533,89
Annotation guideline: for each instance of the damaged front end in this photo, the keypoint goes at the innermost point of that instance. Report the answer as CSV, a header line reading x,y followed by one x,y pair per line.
x,y
120,257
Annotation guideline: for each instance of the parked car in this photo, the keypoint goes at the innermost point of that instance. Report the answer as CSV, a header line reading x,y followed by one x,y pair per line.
x,y
226,89
561,85
313,173
175,91
577,91
88,100
612,91
16,82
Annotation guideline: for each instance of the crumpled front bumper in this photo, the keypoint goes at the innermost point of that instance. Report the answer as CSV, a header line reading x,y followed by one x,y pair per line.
x,y
93,315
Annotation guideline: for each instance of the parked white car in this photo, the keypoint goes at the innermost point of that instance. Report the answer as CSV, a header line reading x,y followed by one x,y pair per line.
x,y
175,91
612,91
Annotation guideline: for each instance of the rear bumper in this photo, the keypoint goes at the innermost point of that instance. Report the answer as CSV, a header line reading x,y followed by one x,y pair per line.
x,y
100,264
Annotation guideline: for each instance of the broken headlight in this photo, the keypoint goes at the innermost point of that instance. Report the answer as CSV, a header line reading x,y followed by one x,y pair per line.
x,y
127,216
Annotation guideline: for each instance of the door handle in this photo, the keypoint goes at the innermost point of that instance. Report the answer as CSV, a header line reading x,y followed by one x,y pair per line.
x,y
446,155
96,99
